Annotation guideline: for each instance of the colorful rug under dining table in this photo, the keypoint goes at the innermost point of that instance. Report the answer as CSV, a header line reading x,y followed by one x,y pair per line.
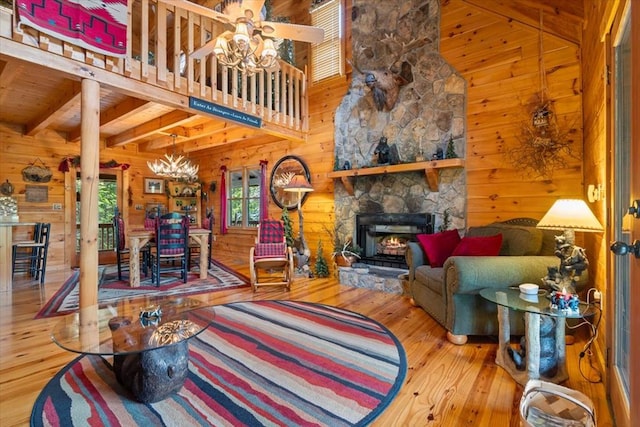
x,y
65,300
259,363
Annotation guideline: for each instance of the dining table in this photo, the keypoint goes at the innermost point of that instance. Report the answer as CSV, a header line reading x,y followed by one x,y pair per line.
x,y
6,242
141,236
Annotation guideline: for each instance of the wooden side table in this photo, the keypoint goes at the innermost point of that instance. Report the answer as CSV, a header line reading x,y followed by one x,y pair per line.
x,y
533,307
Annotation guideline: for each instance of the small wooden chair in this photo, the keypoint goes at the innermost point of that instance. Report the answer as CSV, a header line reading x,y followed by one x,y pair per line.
x,y
31,256
122,252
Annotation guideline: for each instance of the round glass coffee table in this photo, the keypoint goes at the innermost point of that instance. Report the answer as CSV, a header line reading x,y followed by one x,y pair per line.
x,y
533,306
147,338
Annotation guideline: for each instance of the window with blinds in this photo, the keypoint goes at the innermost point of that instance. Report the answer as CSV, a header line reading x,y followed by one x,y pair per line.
x,y
327,58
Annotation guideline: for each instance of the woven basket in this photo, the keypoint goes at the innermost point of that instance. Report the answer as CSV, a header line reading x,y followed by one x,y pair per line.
x,y
37,174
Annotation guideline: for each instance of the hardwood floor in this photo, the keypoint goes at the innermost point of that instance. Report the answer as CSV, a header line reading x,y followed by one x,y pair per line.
x,y
446,385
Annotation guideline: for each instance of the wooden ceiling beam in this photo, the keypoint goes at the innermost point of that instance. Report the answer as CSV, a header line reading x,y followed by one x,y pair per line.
x,y
164,122
229,136
127,108
9,71
189,134
67,100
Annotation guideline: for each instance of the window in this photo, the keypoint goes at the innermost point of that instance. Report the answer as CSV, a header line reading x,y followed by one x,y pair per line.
x,y
327,57
243,197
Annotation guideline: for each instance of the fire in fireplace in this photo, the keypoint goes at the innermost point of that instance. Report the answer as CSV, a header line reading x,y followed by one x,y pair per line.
x,y
384,237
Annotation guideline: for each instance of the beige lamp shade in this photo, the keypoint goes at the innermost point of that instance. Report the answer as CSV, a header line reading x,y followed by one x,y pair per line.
x,y
573,214
298,184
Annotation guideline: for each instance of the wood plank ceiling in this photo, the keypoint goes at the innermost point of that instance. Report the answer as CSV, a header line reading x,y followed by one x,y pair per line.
x,y
38,98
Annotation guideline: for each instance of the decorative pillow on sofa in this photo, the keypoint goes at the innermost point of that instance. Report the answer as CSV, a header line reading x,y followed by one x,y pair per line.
x,y
516,240
439,246
479,246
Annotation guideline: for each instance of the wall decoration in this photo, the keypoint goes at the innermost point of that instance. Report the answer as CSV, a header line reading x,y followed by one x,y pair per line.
x,y
35,173
283,172
6,188
92,24
543,145
153,186
37,193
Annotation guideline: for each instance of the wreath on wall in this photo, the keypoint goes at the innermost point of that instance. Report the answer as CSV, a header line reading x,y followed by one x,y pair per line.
x,y
543,145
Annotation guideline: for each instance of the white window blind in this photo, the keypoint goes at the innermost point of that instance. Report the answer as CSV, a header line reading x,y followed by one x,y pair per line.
x,y
327,57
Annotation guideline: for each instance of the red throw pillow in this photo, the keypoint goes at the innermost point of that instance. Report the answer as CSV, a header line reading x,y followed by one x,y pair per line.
x,y
439,246
479,246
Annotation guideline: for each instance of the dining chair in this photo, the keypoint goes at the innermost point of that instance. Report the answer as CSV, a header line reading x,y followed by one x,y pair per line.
x,y
123,253
31,256
194,248
270,259
171,246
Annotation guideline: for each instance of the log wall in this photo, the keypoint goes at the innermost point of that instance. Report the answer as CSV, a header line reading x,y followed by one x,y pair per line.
x,y
18,151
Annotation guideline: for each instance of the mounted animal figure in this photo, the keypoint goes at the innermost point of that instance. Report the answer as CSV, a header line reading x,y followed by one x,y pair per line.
x,y
385,83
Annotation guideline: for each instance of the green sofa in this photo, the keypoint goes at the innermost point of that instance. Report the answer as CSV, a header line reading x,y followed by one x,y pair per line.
x,y
450,294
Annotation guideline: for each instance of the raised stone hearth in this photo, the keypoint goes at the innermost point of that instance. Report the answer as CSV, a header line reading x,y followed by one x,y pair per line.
x,y
385,279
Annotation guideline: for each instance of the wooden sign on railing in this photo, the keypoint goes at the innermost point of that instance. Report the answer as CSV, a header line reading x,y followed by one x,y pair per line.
x,y
224,112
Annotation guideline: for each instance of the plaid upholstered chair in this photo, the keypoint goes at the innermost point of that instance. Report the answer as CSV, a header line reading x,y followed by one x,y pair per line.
x,y
171,247
270,259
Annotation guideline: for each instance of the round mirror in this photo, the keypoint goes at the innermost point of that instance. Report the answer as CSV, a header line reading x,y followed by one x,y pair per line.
x,y
284,170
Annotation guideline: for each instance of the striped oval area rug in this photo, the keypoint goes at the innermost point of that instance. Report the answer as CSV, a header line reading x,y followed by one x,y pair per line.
x,y
260,363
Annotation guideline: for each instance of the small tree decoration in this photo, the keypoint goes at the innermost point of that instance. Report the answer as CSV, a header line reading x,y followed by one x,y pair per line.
x,y
288,229
451,150
321,267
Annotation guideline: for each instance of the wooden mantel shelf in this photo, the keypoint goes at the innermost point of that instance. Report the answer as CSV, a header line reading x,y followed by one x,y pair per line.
x,y
430,171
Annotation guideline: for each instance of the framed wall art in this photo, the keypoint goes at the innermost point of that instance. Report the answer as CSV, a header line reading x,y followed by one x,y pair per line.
x,y
153,186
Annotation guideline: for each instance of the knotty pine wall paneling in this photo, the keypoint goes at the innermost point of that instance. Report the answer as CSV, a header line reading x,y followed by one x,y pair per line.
x,y
18,151
500,58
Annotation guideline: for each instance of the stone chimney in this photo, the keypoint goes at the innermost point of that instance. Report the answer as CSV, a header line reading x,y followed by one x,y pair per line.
x,y
401,36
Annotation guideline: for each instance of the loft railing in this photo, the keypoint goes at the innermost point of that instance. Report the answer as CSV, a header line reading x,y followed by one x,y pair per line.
x,y
106,237
159,40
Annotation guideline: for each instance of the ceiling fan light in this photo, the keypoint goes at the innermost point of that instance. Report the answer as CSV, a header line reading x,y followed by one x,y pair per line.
x,y
241,36
269,50
220,47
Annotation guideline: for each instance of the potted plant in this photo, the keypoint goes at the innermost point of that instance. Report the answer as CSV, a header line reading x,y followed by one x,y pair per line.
x,y
346,253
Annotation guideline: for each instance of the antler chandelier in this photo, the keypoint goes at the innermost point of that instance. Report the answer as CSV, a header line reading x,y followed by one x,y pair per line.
x,y
245,50
174,167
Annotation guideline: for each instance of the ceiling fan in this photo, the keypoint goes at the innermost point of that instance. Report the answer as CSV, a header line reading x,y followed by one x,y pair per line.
x,y
245,16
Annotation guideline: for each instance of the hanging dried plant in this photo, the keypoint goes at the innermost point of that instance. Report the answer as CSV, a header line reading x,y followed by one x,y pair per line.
x,y
543,146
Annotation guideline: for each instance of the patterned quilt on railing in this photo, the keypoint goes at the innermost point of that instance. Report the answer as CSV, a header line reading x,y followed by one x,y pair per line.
x,y
97,25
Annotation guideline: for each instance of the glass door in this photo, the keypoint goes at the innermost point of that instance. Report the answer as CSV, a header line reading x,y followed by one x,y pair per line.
x,y
625,225
107,202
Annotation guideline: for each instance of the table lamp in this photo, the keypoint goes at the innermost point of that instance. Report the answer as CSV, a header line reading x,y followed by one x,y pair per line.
x,y
299,184
569,215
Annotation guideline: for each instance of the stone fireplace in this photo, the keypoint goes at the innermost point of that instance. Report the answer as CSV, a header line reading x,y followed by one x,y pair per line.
x,y
428,117
383,237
